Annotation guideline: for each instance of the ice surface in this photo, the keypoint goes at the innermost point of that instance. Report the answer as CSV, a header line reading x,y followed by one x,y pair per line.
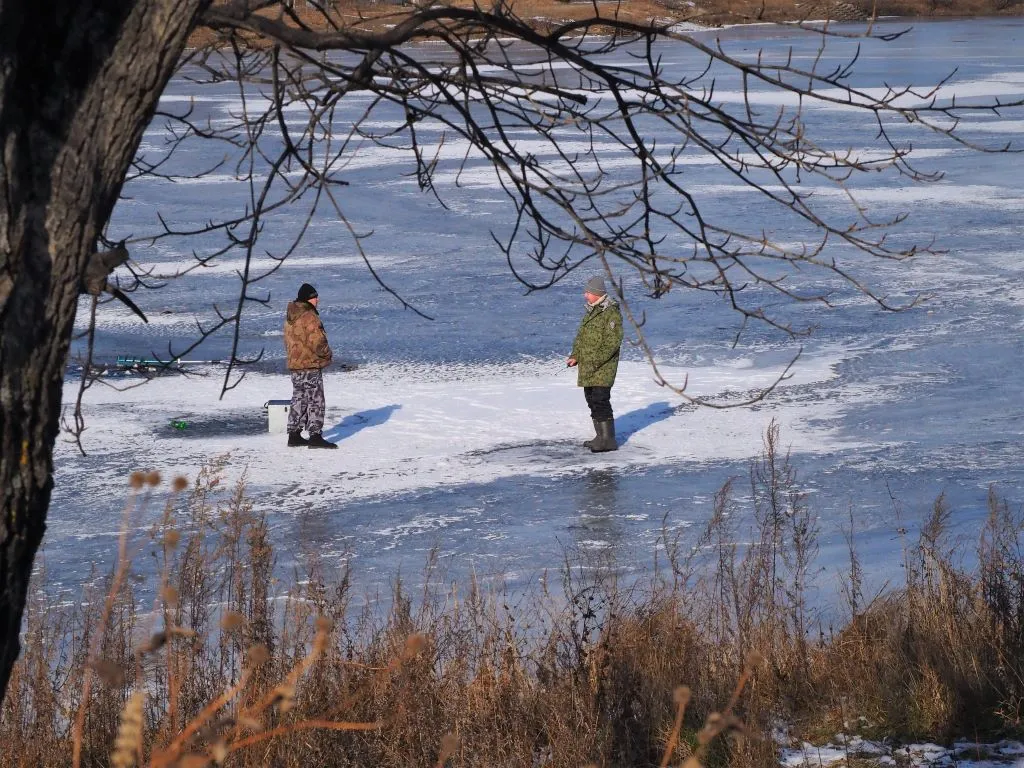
x,y
462,433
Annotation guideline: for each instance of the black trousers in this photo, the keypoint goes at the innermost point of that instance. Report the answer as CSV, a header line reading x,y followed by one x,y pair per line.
x,y
600,401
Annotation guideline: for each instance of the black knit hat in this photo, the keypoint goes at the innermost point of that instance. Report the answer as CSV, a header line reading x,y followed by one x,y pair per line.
x,y
306,292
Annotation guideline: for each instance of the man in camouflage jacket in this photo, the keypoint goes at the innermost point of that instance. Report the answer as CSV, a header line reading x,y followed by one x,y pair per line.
x,y
305,343
595,353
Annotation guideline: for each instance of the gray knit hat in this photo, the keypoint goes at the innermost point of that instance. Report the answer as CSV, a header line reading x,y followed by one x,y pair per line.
x,y
595,285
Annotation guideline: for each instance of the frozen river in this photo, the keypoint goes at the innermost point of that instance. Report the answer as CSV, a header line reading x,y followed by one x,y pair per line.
x,y
458,434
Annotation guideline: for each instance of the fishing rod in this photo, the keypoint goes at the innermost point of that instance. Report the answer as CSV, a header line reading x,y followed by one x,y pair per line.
x,y
124,361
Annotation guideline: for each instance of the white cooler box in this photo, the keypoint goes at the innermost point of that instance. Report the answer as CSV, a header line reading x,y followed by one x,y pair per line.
x,y
277,415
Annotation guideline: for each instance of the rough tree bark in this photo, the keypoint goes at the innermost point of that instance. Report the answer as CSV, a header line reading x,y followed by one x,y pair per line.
x,y
79,81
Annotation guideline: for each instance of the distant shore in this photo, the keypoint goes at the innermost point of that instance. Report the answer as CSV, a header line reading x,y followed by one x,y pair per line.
x,y
547,14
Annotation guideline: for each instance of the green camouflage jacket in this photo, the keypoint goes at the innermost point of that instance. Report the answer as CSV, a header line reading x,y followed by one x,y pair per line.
x,y
597,343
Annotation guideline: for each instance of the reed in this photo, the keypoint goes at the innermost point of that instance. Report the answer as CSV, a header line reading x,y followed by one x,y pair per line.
x,y
224,664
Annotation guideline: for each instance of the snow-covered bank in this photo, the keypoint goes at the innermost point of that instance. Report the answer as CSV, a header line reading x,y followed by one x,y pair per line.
x,y
844,752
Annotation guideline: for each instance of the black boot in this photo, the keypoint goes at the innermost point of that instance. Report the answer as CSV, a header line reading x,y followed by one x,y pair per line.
x,y
589,443
296,440
316,440
605,440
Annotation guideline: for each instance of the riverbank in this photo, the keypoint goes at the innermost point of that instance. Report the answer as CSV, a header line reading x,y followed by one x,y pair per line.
x,y
545,15
716,13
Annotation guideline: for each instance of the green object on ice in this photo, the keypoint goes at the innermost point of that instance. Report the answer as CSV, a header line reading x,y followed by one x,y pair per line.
x,y
179,423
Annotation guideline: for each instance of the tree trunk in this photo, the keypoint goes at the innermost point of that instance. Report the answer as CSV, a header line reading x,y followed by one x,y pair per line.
x,y
79,81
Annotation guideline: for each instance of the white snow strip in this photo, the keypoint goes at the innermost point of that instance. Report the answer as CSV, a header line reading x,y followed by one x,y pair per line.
x,y
1003,754
408,427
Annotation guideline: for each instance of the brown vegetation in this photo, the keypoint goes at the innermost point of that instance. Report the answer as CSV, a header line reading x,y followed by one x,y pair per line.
x,y
376,15
227,667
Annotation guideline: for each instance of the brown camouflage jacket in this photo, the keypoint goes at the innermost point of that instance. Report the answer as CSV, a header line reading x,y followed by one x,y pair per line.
x,y
305,341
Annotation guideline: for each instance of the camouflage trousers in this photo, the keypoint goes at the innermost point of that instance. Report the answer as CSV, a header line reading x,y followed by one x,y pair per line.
x,y
308,404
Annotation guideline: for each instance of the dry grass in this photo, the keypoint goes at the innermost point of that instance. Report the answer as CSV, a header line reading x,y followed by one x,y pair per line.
x,y
225,665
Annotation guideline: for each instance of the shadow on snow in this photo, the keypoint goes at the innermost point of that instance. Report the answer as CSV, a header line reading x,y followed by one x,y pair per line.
x,y
356,422
628,424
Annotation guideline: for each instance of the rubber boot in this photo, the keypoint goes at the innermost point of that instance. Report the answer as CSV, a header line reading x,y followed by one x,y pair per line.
x,y
589,443
605,440
316,440
296,440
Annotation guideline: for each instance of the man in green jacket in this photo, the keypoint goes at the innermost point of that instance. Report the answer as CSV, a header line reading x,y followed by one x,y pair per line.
x,y
595,354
